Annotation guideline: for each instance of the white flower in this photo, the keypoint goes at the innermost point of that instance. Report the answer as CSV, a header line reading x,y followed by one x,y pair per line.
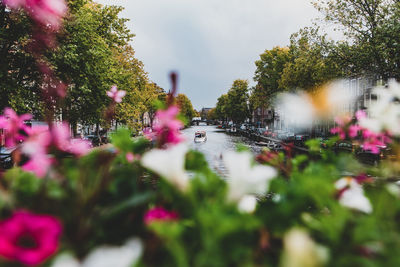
x,y
326,102
245,179
169,163
353,197
385,111
301,251
297,108
247,204
105,256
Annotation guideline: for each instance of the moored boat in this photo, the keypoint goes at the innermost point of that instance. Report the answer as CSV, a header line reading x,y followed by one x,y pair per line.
x,y
200,136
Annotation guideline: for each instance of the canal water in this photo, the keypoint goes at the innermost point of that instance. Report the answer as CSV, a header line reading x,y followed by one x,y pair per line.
x,y
218,142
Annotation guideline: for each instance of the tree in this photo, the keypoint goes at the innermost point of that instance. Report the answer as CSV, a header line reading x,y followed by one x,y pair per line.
x,y
237,101
268,72
310,63
221,108
372,30
211,115
19,75
186,107
88,60
153,94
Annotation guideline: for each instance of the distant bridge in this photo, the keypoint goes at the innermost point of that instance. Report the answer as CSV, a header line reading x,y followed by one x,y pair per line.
x,y
198,120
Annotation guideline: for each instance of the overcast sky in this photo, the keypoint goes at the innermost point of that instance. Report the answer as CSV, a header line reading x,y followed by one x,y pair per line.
x,y
209,42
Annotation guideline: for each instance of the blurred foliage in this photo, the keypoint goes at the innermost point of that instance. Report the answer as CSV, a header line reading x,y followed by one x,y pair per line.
x,y
102,198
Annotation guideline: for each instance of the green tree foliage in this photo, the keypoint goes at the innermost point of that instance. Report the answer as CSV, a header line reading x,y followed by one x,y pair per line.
x,y
19,76
211,115
237,104
373,35
310,63
87,60
133,79
221,109
93,53
185,106
267,75
150,99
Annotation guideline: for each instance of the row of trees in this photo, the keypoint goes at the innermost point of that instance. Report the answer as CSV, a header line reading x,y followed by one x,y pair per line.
x,y
370,47
233,105
93,53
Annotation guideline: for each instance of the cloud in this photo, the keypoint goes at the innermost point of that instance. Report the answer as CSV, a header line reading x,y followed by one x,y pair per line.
x,y
210,42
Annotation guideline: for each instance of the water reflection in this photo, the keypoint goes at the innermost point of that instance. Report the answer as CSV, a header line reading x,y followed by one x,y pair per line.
x,y
218,142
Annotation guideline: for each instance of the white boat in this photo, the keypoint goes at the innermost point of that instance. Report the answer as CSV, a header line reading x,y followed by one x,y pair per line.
x,y
200,136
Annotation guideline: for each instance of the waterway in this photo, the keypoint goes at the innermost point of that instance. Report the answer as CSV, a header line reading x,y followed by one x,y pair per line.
x,y
218,142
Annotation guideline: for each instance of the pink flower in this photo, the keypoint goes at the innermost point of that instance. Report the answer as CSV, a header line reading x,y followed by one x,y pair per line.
x,y
345,128
158,214
360,114
374,142
116,94
343,123
38,164
15,128
340,131
79,147
36,148
167,126
49,13
41,142
29,238
62,140
130,157
353,130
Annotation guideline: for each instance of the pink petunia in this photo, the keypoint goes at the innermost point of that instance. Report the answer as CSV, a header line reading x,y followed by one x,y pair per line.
x,y
353,130
159,214
342,127
79,147
130,157
61,137
29,238
374,142
38,164
42,141
116,94
48,13
360,114
167,126
36,148
16,130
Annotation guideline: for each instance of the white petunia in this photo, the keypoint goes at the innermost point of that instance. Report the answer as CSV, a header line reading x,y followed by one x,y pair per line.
x,y
300,250
245,179
169,163
105,256
247,204
297,108
384,111
326,102
353,197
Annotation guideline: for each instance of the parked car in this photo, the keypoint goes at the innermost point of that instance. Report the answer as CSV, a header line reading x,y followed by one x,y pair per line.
x,y
288,137
345,146
95,140
367,157
259,131
281,134
6,160
300,139
270,133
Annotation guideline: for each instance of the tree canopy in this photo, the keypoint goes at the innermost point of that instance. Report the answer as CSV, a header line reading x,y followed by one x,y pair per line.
x,y
185,106
93,53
